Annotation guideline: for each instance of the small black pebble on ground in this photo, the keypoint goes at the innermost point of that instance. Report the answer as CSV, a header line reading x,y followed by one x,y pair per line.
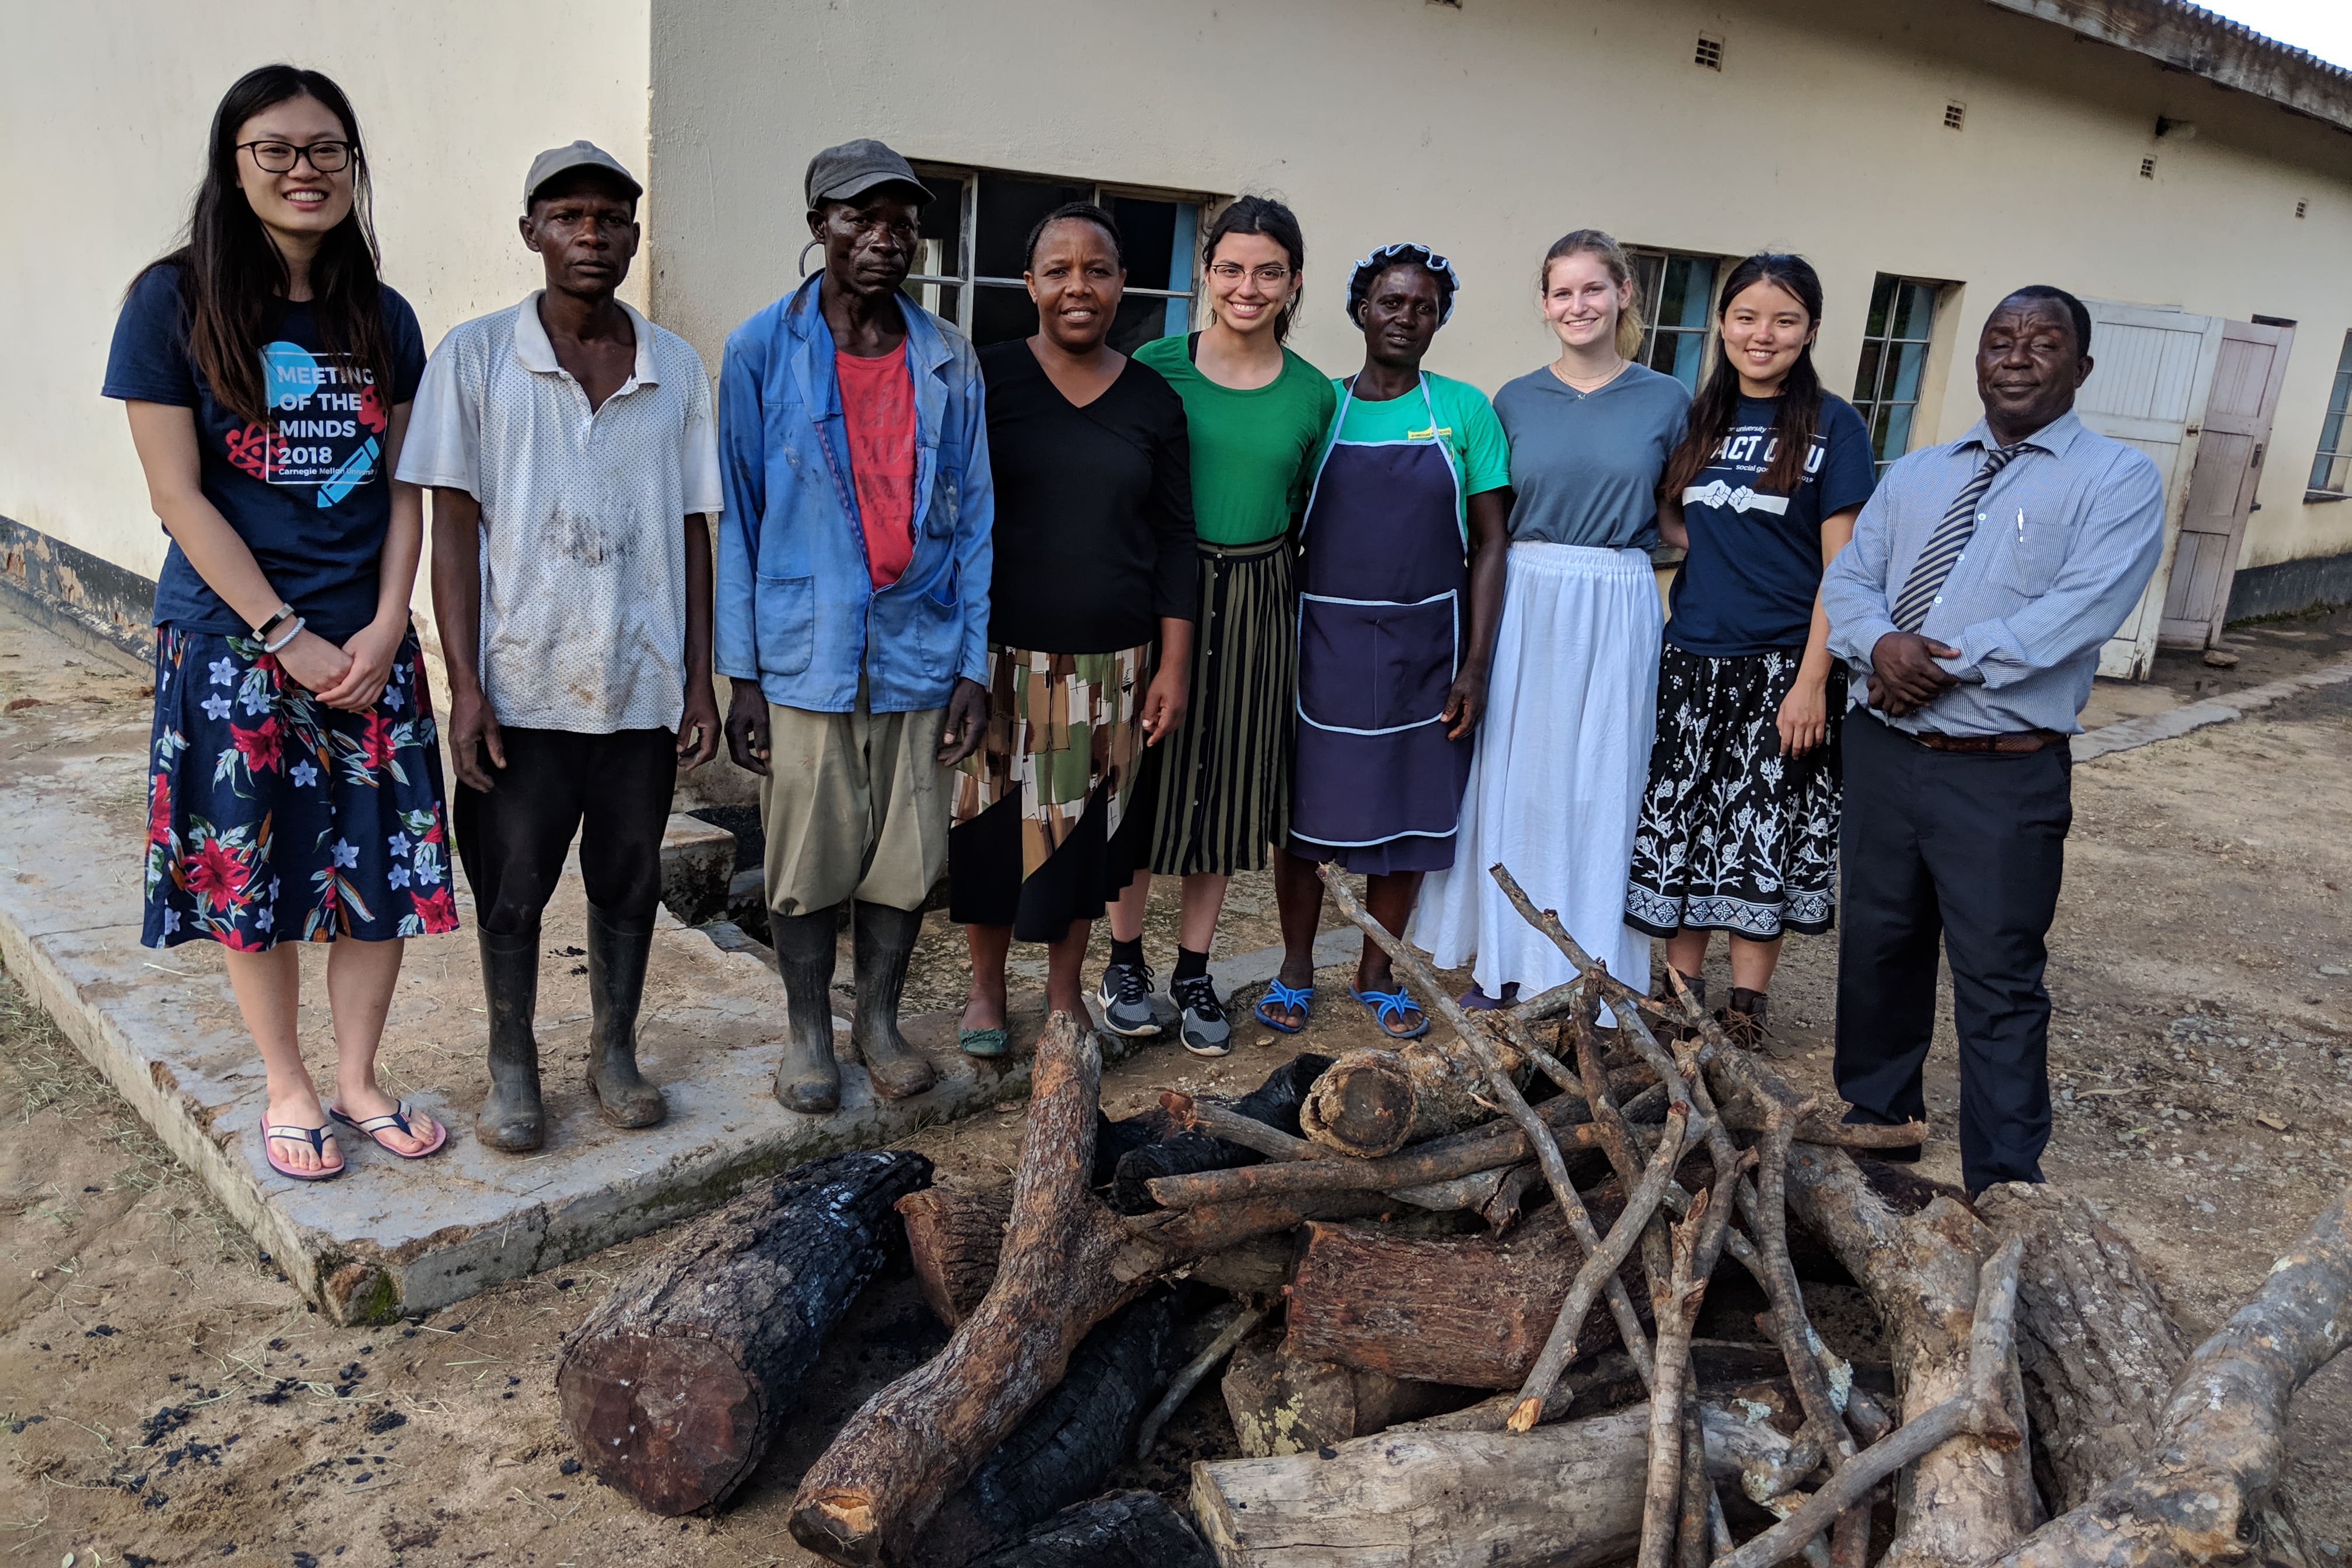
x,y
569,1468
386,1421
1326,1452
564,1284
103,1332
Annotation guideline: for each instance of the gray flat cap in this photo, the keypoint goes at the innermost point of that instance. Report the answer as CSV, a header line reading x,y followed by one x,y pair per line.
x,y
579,155
852,169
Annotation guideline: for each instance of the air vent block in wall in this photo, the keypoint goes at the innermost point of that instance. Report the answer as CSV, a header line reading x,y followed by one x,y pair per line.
x,y
1954,112
2147,168
2301,209
1709,53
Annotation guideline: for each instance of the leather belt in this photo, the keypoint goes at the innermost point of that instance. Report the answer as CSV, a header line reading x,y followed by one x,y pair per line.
x,y
2014,740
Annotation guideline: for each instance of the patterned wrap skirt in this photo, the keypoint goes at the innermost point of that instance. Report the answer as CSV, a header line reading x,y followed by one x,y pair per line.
x,y
273,817
1225,786
1053,814
1735,836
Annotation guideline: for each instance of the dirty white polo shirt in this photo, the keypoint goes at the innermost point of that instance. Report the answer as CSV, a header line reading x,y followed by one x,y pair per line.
x,y
583,546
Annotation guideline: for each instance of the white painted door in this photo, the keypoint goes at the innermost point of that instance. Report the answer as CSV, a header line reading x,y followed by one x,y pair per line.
x,y
2230,448
2150,369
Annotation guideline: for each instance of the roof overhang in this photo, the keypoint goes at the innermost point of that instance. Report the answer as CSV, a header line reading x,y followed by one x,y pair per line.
x,y
2190,38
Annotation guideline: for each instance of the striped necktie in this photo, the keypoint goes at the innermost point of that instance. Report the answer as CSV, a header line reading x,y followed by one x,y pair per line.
x,y
1944,546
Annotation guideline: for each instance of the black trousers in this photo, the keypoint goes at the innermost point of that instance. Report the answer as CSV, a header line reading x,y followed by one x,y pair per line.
x,y
613,790
1970,849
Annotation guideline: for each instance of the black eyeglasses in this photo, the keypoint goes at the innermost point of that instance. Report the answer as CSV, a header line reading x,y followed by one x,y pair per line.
x,y
280,157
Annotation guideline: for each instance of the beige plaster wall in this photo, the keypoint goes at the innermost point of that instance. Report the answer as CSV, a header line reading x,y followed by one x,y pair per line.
x,y
1489,129
103,115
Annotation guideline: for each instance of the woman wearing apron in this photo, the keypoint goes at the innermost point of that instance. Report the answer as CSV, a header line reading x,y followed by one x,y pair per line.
x,y
1400,589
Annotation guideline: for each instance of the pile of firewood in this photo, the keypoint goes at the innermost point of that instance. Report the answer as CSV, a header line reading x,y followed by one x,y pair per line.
x,y
1534,1208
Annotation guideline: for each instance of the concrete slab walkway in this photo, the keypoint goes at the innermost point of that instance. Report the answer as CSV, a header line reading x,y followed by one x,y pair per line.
x,y
391,1238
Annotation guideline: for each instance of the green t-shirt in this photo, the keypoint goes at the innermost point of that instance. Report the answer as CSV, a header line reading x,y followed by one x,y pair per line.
x,y
1466,428
1253,449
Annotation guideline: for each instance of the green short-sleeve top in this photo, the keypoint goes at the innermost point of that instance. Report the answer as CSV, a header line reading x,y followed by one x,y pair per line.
x,y
1253,449
1466,431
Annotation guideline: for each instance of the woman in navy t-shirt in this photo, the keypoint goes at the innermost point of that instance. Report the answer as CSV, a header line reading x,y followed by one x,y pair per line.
x,y
1739,820
294,788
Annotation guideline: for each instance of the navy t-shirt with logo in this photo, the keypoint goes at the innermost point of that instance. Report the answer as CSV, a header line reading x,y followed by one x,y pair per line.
x,y
310,493
1754,569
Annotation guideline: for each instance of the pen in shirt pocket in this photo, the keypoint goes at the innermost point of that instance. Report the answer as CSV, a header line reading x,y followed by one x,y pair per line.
x,y
2020,525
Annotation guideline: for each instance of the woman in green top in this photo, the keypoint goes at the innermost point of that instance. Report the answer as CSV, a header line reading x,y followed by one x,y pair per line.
x,y
1258,415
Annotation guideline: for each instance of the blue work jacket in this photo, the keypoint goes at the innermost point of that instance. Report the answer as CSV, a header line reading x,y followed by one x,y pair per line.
x,y
797,610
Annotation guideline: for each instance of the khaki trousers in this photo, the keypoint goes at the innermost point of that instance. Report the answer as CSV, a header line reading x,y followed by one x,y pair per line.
x,y
854,805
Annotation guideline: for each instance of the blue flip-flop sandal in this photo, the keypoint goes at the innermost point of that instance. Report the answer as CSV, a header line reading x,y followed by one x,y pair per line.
x,y
1381,1004
1301,998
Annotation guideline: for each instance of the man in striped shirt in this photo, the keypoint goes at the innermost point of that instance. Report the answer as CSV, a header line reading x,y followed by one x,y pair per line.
x,y
1983,578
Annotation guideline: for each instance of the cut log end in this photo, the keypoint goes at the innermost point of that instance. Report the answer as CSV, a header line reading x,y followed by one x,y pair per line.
x,y
839,1525
1362,1106
683,1418
1525,1414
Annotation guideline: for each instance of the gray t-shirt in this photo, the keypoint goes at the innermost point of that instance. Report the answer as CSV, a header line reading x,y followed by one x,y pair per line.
x,y
1585,465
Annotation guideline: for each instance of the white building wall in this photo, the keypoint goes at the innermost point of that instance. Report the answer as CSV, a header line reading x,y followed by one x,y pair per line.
x,y
1489,129
103,114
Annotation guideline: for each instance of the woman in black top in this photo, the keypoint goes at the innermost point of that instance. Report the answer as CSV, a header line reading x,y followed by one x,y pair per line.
x,y
1093,565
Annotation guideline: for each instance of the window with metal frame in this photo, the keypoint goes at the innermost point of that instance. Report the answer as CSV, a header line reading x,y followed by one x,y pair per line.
x,y
969,258
2331,470
1678,302
1894,362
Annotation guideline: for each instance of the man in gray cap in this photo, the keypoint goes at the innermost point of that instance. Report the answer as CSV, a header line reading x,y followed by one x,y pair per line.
x,y
853,607
571,451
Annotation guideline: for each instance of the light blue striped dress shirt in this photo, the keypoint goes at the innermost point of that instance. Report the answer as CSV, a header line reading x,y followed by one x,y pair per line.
x,y
2066,540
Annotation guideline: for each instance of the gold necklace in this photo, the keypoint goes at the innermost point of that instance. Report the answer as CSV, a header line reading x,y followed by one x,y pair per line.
x,y
1617,371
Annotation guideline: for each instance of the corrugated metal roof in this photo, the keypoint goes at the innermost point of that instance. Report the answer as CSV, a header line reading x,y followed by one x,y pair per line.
x,y
2190,38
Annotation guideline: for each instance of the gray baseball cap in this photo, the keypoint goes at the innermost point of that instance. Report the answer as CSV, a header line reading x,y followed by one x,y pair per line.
x,y
579,155
852,169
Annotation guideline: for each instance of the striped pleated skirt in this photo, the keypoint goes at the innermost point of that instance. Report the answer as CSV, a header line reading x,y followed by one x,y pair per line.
x,y
1224,790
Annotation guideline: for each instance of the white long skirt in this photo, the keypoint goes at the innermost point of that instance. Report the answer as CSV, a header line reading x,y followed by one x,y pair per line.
x,y
1556,785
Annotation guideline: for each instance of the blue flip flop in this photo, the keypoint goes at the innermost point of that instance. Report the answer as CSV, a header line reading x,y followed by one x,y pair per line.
x,y
1381,1004
1299,996
986,1044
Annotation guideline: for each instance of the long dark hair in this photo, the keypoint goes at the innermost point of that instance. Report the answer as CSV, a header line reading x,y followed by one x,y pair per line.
x,y
230,271
1799,410
1262,215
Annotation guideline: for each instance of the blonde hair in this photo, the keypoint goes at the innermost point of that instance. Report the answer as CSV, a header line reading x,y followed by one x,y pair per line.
x,y
1595,242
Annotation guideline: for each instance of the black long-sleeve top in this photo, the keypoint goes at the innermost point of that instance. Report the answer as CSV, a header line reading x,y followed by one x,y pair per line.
x,y
1094,508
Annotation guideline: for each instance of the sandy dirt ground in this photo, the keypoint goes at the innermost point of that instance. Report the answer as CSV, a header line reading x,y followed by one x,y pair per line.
x,y
165,1397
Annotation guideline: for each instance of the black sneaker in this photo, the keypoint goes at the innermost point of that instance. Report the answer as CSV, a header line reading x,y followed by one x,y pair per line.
x,y
1205,1032
1125,994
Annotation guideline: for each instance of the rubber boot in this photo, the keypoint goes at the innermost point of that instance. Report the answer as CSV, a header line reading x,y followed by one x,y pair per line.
x,y
808,1077
1743,1020
511,1118
883,941
616,984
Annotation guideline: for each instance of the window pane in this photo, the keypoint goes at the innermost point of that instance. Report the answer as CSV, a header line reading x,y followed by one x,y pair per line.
x,y
1148,230
1647,283
1696,286
1882,302
1688,350
1865,378
999,315
1918,314
1910,363
1009,208
938,298
1140,319
939,251
1894,431
2332,474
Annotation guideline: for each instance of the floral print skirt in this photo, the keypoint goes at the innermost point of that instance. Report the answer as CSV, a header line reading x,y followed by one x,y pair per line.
x,y
273,817
1735,836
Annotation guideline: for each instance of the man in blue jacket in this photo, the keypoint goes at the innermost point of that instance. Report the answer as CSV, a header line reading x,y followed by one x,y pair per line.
x,y
854,564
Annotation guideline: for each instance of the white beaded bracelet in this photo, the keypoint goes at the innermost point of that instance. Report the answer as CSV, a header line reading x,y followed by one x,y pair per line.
x,y
288,635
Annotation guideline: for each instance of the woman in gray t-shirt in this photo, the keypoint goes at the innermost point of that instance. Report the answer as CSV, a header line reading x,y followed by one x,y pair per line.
x,y
1555,789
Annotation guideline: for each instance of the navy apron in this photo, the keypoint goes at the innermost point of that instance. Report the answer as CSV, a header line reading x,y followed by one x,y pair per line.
x,y
1379,627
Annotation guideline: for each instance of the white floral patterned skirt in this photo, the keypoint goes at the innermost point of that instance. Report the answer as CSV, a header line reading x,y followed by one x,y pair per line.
x,y
273,817
1735,836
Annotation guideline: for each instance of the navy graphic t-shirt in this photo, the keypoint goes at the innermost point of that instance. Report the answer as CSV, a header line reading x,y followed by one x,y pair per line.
x,y
1755,564
310,493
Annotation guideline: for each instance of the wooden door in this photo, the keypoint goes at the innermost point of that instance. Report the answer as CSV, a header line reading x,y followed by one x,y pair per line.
x,y
2150,369
2230,450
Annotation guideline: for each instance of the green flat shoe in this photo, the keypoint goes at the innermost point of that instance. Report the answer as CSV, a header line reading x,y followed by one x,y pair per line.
x,y
984,1043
